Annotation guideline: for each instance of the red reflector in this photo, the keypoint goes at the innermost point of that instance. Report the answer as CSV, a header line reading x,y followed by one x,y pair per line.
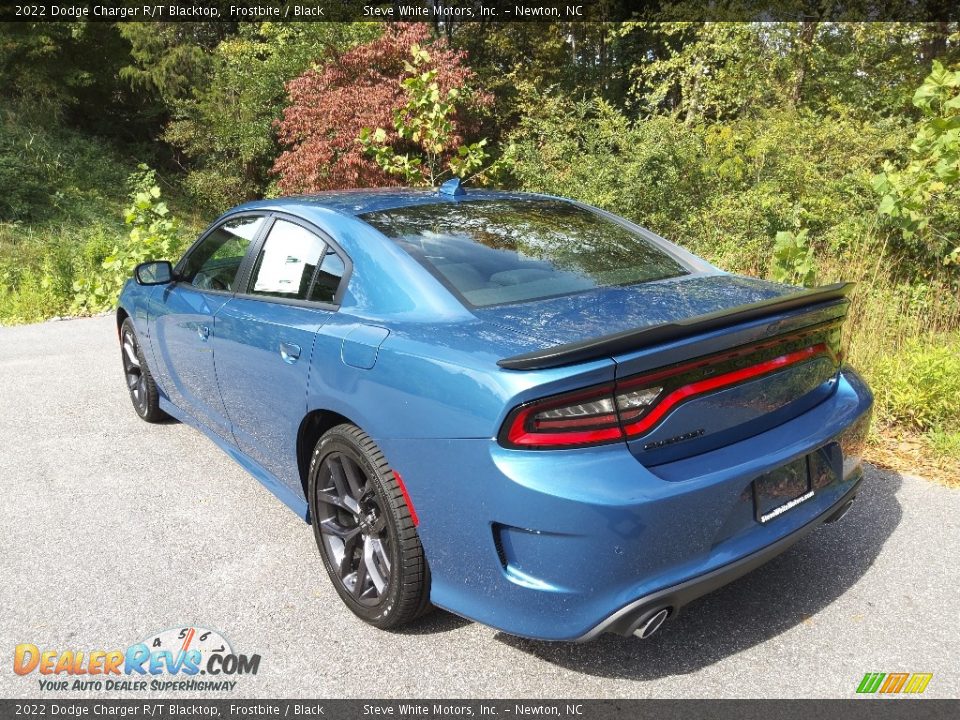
x,y
406,499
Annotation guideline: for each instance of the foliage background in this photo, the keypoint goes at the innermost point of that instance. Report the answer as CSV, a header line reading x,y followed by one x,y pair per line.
x,y
805,152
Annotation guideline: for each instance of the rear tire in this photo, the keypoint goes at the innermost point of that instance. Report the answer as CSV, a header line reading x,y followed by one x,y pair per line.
x,y
362,525
143,390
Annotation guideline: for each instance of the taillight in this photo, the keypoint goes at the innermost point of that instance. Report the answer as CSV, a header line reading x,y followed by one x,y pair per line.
x,y
634,406
635,403
580,418
584,417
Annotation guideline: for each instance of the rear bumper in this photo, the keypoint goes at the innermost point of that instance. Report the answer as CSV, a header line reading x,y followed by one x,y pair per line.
x,y
630,617
566,544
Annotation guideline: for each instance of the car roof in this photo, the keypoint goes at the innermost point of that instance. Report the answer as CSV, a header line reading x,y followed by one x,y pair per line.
x,y
359,202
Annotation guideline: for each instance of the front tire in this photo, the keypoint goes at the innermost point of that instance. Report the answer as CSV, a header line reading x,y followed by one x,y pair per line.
x,y
364,530
143,390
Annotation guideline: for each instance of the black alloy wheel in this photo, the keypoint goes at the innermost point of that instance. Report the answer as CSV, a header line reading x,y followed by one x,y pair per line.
x,y
353,528
364,530
143,390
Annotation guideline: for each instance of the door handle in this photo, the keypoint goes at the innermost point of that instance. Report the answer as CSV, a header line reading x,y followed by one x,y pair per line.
x,y
289,352
203,331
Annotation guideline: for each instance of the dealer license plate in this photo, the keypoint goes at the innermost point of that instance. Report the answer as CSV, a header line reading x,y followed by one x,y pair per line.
x,y
781,490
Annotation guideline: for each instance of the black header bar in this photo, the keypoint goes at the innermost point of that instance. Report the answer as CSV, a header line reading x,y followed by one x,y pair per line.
x,y
458,11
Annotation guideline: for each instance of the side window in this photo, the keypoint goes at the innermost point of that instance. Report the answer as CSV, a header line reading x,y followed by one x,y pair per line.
x,y
214,263
287,262
328,279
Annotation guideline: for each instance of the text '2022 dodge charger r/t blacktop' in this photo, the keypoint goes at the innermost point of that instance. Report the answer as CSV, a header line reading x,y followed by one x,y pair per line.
x,y
522,409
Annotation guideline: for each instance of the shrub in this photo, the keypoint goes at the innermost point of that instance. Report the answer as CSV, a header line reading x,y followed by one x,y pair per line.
x,y
330,106
793,259
430,147
723,190
154,235
647,171
919,386
39,266
921,199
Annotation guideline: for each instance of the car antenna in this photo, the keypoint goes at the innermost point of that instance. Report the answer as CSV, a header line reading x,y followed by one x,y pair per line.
x,y
452,187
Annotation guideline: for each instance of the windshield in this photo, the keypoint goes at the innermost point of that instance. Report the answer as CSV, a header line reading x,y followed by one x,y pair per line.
x,y
505,251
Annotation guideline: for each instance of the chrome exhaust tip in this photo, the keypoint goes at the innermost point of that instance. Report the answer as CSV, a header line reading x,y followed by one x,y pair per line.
x,y
648,627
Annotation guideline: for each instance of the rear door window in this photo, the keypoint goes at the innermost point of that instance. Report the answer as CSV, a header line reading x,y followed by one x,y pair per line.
x,y
287,265
493,252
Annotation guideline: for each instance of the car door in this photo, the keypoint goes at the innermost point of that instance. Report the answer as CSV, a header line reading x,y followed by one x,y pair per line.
x,y
183,319
265,338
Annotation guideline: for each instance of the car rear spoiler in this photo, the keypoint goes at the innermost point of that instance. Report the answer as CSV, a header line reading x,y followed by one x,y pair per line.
x,y
631,340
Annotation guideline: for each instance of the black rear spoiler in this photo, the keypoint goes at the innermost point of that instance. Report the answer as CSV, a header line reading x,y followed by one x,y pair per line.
x,y
630,340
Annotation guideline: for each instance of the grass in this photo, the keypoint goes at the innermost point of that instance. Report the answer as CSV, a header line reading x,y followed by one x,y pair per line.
x,y
904,338
61,194
62,199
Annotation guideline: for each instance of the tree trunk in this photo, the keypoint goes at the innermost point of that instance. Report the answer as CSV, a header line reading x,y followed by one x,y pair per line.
x,y
808,31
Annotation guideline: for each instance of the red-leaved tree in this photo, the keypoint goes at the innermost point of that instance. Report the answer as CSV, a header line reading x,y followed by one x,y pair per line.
x,y
359,89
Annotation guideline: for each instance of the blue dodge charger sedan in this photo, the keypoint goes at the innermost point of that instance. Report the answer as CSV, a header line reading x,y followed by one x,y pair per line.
x,y
517,407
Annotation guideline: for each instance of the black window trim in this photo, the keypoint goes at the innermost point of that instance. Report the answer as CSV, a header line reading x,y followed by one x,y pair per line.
x,y
246,268
181,264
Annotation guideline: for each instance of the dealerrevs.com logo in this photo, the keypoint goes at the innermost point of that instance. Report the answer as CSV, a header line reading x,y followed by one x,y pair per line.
x,y
186,658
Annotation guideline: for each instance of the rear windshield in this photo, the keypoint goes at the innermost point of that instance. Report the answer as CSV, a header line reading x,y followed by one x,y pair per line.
x,y
506,251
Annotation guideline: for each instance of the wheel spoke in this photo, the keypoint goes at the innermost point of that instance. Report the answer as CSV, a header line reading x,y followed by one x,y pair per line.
x,y
133,380
342,485
361,578
354,477
331,499
373,550
346,562
330,526
131,353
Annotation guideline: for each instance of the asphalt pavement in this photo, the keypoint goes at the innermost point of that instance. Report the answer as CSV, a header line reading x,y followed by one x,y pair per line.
x,y
112,530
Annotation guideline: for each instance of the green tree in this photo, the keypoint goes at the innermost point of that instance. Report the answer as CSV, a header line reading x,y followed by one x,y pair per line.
x,y
225,126
922,198
170,59
722,70
704,71
71,72
426,123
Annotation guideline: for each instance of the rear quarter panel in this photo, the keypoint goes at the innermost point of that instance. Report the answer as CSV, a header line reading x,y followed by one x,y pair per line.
x,y
432,380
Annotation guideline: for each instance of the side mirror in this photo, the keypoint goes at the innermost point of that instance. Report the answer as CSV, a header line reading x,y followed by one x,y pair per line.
x,y
158,272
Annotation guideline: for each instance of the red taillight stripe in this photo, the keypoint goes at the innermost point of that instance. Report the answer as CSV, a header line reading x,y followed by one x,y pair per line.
x,y
519,436
575,422
650,378
406,499
715,383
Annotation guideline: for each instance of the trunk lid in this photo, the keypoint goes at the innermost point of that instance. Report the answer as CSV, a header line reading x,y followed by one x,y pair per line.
x,y
725,357
604,311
